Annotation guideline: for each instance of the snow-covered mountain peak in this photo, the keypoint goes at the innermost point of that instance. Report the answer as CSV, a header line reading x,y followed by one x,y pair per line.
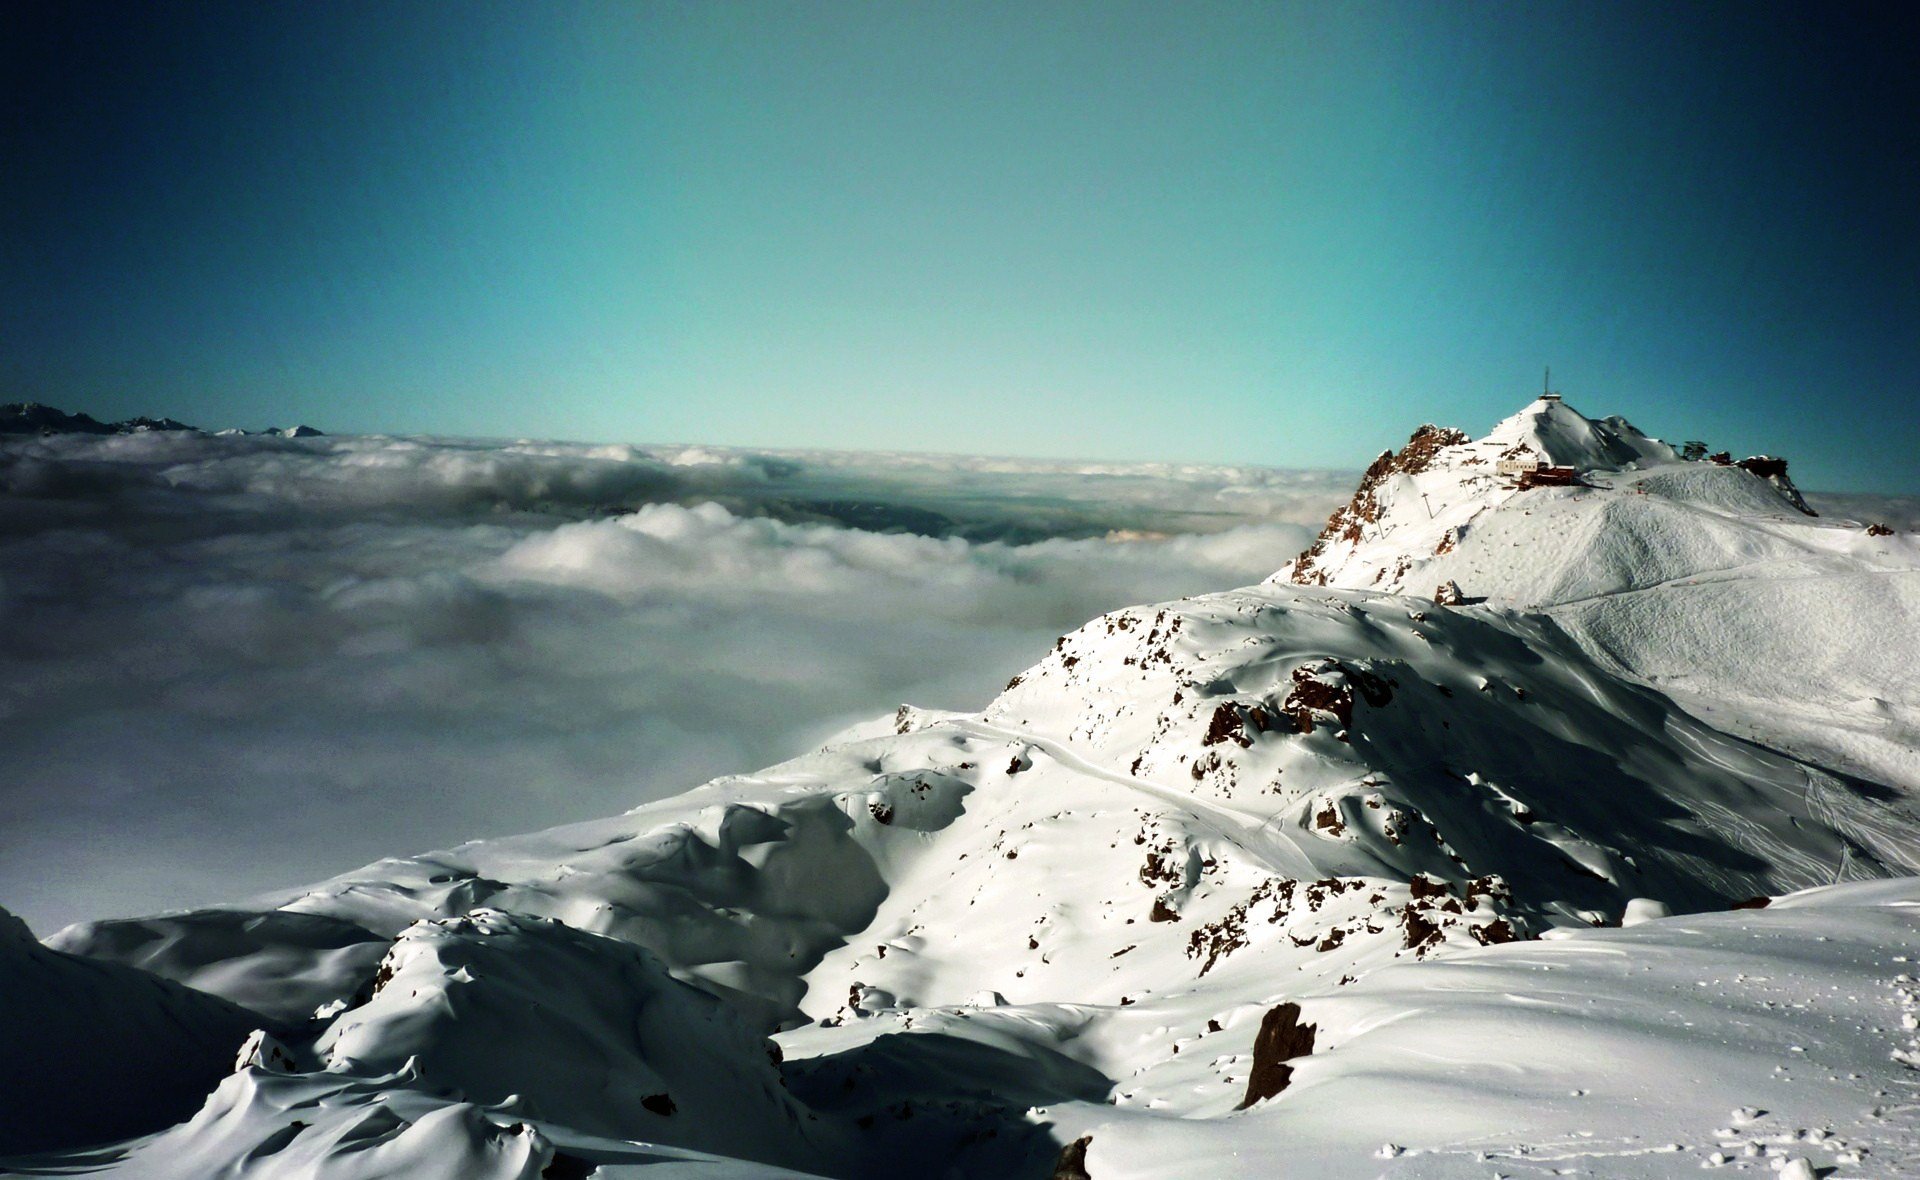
x,y
1551,506
1564,437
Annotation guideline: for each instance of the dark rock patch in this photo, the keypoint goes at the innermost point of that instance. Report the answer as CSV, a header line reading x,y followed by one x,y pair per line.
x,y
1418,931
1281,1039
1072,1164
1349,521
660,1104
566,1167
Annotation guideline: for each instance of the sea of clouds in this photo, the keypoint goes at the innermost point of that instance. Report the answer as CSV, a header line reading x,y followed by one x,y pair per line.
x,y
234,664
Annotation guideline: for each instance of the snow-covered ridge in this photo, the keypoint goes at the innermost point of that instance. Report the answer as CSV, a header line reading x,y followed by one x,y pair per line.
x,y
1323,849
1709,578
1427,502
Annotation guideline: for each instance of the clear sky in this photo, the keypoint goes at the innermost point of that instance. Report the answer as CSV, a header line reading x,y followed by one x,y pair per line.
x,y
1277,233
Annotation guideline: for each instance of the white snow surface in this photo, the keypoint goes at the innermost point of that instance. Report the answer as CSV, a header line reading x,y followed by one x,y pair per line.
x,y
953,943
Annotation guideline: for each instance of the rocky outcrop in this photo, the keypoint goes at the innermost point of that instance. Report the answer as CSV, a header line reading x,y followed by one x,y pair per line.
x,y
1282,1039
1349,521
1072,1164
1773,469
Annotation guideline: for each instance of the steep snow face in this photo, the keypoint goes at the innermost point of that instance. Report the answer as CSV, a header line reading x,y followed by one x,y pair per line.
x,y
1563,437
1321,848
1366,735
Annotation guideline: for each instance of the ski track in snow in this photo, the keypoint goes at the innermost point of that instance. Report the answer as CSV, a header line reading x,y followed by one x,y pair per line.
x,y
1278,854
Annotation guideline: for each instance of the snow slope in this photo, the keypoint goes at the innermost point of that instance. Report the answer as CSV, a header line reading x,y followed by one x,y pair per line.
x,y
1736,1042
97,1050
1112,901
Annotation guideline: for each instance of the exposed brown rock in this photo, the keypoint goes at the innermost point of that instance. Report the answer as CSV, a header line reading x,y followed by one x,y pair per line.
x,y
1281,1039
1491,887
1496,931
1419,933
1226,726
1310,694
1161,868
1072,1164
1349,521
1753,903
1327,819
1375,690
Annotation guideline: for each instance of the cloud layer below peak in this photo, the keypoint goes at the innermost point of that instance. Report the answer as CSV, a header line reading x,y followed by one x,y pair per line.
x,y
233,664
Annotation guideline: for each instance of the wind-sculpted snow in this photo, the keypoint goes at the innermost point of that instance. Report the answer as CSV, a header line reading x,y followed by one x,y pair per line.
x,y
574,1027
288,963
232,664
261,1124
1317,877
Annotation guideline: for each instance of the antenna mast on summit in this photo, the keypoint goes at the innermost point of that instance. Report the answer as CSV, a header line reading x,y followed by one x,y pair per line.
x,y
1546,383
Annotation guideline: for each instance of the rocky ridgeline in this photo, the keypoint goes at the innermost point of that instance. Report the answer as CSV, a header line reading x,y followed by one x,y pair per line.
x,y
36,419
1420,518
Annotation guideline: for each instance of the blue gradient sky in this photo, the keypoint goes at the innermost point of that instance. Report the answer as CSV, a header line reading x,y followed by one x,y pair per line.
x,y
1276,233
